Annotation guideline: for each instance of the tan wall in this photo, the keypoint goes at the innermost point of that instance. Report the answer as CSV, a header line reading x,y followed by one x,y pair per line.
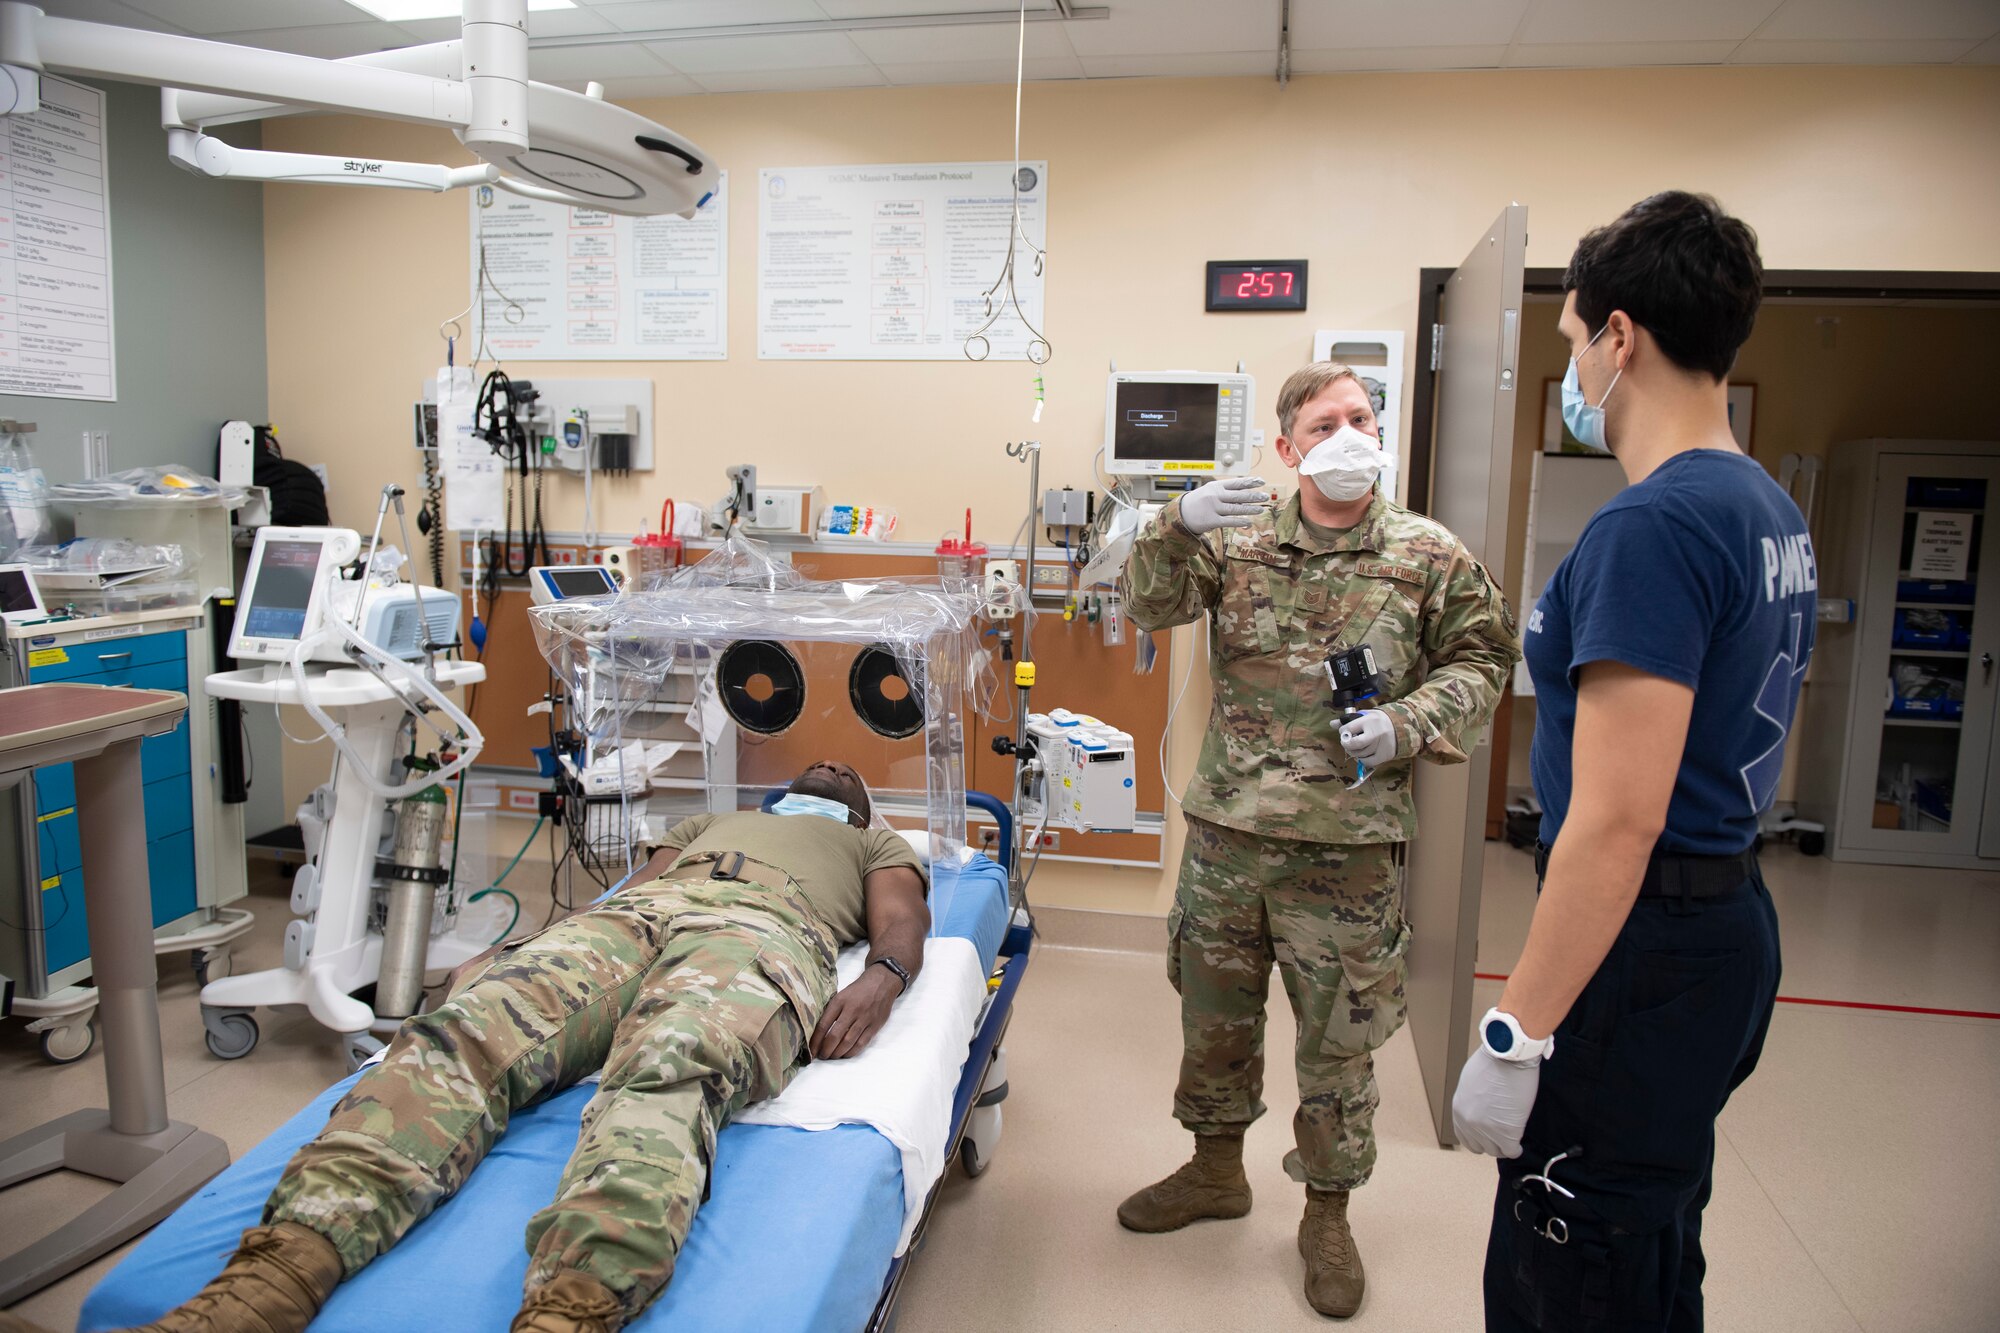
x,y
1368,176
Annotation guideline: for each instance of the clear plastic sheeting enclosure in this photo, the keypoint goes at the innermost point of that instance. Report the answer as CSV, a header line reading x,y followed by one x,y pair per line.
x,y
873,673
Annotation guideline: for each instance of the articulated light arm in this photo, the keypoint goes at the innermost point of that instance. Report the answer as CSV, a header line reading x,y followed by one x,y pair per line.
x,y
194,151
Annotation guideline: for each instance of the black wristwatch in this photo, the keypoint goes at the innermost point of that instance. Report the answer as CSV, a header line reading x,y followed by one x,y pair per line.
x,y
902,974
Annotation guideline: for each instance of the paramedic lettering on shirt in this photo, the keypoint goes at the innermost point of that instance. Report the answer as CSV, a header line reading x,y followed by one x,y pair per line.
x,y
1666,652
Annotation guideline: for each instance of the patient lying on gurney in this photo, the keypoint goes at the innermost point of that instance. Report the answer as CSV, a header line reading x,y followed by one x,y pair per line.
x,y
697,989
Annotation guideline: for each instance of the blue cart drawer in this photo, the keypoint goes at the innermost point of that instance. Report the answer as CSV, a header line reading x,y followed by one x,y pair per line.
x,y
170,864
61,849
66,662
169,808
55,788
66,928
164,756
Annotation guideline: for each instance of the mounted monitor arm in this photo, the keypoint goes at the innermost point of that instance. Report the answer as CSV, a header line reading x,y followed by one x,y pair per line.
x,y
537,140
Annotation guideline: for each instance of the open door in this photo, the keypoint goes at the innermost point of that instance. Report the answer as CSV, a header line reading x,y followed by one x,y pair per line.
x,y
1478,332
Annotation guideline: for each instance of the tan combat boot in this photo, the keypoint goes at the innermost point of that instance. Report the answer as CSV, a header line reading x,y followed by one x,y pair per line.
x,y
276,1282
1211,1185
1334,1277
569,1302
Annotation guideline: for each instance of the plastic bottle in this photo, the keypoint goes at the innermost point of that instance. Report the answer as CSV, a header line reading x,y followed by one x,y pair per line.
x,y
26,494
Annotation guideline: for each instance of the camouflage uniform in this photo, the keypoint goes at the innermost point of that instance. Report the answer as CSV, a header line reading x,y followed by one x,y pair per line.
x,y
1283,863
694,995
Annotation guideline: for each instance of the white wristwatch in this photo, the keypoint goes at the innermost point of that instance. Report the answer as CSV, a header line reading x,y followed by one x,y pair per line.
x,y
1503,1037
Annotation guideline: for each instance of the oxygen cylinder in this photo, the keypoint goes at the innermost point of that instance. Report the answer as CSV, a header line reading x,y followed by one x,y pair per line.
x,y
415,871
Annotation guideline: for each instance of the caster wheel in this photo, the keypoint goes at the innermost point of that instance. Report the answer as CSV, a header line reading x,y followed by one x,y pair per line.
x,y
1812,844
361,1046
68,1044
212,965
969,1158
231,1036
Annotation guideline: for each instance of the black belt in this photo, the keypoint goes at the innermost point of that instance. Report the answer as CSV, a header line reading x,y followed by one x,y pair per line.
x,y
1674,875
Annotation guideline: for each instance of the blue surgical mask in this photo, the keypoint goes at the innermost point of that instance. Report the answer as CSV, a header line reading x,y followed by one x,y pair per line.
x,y
794,803
1585,422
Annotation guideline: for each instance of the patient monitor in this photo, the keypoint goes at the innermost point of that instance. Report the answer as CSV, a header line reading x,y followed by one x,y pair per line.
x,y
1178,425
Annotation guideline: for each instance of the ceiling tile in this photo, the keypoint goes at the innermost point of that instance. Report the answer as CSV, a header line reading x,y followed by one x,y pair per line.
x,y
108,11
978,71
1904,20
1761,52
1177,65
963,42
627,60
1328,25
1618,55
792,80
215,16
1986,53
1186,27
541,23
1568,22
868,9
328,41
648,15
1398,58
664,85
715,55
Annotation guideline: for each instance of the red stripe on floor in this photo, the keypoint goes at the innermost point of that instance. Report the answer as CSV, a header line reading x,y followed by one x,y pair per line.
x,y
1834,1004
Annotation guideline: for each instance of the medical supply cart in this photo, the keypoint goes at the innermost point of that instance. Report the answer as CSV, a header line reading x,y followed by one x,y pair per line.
x,y
44,938
1897,725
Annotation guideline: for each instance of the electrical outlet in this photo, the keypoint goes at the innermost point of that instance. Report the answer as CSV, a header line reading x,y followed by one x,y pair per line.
x,y
1050,841
989,838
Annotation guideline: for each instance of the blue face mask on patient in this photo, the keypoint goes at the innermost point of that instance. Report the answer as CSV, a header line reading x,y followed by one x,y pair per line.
x,y
794,803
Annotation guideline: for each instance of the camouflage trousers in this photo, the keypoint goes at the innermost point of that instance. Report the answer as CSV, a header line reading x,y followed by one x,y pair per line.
x,y
695,997
1331,918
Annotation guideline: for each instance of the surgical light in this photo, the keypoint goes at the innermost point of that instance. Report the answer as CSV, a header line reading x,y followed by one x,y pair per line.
x,y
532,139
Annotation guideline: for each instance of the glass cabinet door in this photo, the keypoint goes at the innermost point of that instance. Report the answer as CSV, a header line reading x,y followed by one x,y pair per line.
x,y
1923,717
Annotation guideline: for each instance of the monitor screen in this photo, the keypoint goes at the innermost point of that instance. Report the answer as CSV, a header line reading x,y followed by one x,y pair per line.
x,y
15,594
283,590
1164,421
581,582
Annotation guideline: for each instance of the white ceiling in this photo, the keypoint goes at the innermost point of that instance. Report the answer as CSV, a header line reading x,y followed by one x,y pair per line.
x,y
1139,38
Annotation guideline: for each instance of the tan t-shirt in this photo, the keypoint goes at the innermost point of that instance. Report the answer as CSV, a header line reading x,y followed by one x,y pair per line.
x,y
827,860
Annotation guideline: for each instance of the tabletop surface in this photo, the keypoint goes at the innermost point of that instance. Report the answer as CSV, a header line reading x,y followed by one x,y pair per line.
x,y
33,714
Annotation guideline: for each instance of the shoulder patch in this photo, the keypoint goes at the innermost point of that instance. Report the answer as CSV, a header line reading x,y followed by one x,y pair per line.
x,y
1379,569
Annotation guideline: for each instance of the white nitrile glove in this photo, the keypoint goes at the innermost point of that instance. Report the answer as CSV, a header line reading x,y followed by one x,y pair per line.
x,y
1490,1109
1370,739
1226,502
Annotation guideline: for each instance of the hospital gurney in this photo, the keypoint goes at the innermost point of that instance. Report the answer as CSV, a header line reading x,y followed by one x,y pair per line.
x,y
800,1230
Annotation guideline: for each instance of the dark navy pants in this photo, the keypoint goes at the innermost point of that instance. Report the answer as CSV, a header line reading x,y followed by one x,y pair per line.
x,y
1673,1021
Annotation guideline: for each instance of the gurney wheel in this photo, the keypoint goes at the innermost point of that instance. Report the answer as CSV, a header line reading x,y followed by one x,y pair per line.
x,y
69,1043
969,1158
231,1036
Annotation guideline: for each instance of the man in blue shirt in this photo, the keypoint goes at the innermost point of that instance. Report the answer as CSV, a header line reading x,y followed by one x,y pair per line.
x,y
1666,652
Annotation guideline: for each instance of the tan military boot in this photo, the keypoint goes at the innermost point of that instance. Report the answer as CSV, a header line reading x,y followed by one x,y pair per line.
x,y
1211,1185
569,1302
1334,1277
276,1282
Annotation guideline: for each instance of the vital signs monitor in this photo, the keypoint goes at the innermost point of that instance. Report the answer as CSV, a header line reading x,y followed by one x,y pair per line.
x,y
1178,423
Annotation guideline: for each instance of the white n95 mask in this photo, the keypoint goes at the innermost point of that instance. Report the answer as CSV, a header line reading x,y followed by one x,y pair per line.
x,y
1344,465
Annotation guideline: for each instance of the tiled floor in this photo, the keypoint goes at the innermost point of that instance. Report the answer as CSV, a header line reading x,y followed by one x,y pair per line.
x,y
1858,1186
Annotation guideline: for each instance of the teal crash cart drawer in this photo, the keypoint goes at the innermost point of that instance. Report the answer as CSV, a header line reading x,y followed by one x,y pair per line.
x,y
56,835
65,928
170,863
47,662
169,808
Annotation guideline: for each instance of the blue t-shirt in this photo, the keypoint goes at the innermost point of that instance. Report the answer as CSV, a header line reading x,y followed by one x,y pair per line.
x,y
1703,574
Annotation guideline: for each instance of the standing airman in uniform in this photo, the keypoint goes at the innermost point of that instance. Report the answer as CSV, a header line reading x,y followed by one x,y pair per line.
x,y
1288,860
